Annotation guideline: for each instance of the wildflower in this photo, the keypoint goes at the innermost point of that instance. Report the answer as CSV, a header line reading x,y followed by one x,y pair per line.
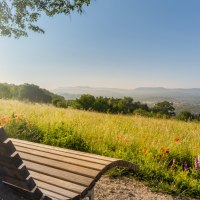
x,y
177,139
196,163
145,150
162,149
117,137
126,140
3,122
185,166
166,151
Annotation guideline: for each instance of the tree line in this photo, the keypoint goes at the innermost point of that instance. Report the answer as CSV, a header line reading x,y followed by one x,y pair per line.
x,y
127,105
124,105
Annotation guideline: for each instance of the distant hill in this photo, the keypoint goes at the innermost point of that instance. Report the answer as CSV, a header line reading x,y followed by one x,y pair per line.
x,y
183,99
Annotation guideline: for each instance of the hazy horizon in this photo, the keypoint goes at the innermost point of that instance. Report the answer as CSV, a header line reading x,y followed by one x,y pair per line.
x,y
99,87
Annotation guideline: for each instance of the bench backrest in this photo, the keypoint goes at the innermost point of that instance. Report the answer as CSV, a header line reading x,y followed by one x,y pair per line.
x,y
13,172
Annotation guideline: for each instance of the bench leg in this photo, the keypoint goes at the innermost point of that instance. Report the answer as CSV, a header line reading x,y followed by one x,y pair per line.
x,y
91,197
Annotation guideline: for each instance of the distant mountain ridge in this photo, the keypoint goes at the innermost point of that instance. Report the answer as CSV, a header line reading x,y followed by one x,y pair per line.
x,y
115,92
183,98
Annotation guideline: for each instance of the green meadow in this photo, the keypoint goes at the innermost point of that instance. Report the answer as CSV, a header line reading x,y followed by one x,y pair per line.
x,y
165,150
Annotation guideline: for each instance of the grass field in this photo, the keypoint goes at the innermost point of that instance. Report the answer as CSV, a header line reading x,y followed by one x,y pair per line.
x,y
164,149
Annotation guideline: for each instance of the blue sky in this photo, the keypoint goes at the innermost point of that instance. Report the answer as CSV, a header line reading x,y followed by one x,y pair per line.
x,y
115,43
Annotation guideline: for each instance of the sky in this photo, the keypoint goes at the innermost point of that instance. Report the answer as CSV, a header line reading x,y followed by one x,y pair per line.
x,y
114,44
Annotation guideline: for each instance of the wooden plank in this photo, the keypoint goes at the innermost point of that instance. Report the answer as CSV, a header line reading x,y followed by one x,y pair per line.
x,y
60,153
54,195
29,195
57,182
65,157
28,184
65,150
48,198
12,162
20,173
60,174
16,160
3,135
57,190
7,148
60,165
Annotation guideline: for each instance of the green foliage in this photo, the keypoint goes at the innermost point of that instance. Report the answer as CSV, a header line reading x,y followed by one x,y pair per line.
x,y
107,105
185,116
18,16
5,91
164,108
101,104
141,112
32,93
59,102
86,102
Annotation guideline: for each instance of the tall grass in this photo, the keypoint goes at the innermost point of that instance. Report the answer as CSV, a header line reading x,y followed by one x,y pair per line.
x,y
159,146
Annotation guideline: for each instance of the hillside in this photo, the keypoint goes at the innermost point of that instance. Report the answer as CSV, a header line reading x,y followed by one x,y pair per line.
x,y
29,92
165,149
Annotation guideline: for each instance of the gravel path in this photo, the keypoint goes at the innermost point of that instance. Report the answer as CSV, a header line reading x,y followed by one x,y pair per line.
x,y
128,189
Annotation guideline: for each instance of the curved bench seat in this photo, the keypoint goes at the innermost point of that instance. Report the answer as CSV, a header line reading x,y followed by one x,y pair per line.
x,y
45,172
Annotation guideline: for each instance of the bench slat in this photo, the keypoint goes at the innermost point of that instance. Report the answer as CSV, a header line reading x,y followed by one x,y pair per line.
x,y
54,151
20,174
57,182
60,165
29,184
89,155
30,195
62,158
11,162
7,149
53,195
60,174
57,190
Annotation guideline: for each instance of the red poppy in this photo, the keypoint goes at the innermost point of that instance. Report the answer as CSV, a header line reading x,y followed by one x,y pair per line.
x,y
162,149
177,139
126,140
166,151
145,149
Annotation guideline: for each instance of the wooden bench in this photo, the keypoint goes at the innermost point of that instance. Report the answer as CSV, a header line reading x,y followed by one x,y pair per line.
x,y
36,171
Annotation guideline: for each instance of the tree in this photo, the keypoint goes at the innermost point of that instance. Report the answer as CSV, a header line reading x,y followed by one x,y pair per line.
x,y
101,104
164,108
5,92
86,102
34,93
18,16
185,116
59,101
125,105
